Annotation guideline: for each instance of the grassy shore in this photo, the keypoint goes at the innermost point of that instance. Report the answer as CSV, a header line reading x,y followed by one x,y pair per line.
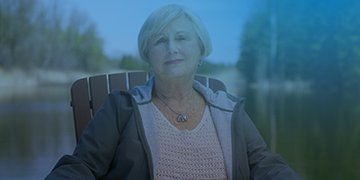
x,y
17,78
22,83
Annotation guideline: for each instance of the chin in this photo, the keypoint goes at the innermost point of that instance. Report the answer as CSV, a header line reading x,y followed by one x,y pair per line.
x,y
177,73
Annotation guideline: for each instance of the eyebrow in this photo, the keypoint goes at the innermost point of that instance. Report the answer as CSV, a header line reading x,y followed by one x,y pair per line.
x,y
186,32
177,32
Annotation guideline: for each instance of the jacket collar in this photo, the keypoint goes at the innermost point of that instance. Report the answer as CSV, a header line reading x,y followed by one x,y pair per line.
x,y
219,99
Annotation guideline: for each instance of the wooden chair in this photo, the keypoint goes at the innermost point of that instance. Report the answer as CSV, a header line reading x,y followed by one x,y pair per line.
x,y
88,94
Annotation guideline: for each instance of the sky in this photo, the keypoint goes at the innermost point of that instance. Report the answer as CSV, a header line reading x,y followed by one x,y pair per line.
x,y
118,23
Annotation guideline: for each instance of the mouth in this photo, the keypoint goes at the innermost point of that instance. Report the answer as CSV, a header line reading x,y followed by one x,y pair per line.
x,y
175,61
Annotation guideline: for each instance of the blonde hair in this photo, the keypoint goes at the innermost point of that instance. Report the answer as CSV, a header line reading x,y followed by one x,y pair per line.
x,y
161,17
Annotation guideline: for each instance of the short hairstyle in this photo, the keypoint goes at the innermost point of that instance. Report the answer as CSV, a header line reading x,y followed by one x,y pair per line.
x,y
161,17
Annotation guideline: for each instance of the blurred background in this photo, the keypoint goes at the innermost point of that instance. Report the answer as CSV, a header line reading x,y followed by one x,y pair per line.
x,y
296,62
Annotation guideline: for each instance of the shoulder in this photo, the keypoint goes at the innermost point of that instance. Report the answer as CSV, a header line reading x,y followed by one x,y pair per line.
x,y
119,93
219,99
119,98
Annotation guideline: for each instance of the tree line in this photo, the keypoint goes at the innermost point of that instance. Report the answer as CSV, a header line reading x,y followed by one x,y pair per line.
x,y
317,41
34,35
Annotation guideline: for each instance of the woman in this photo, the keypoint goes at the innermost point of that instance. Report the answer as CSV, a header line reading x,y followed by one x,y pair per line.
x,y
172,128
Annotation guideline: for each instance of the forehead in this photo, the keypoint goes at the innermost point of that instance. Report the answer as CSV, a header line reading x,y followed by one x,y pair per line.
x,y
181,23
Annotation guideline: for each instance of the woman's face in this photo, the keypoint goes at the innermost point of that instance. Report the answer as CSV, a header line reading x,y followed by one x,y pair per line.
x,y
175,51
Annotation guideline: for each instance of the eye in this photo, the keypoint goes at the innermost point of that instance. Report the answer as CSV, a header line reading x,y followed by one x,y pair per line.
x,y
181,38
161,40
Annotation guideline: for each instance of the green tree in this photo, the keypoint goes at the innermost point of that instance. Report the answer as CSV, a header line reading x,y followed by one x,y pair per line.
x,y
16,29
209,68
129,62
35,36
316,41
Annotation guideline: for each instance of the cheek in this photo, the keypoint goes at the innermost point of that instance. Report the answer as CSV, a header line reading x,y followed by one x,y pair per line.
x,y
194,50
154,54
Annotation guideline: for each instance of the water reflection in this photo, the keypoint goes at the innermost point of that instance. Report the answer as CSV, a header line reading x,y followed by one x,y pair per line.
x,y
36,129
317,133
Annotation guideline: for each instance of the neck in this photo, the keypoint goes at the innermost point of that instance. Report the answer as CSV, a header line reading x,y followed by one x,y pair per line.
x,y
177,88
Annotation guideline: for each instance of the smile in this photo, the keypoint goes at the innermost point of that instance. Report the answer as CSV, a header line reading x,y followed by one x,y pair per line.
x,y
175,61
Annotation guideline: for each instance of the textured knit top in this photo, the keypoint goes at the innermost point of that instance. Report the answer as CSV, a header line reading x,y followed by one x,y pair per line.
x,y
194,154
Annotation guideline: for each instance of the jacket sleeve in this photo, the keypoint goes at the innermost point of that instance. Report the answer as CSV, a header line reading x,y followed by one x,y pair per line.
x,y
262,163
96,147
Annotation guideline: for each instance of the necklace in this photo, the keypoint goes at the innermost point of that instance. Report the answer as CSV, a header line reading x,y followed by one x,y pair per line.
x,y
181,116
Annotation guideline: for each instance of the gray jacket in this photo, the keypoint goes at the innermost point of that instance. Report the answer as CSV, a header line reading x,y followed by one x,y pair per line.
x,y
120,142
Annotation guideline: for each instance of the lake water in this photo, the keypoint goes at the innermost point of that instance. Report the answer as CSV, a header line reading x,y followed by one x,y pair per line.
x,y
317,133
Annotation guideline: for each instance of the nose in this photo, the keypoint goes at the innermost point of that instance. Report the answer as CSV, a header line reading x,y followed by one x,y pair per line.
x,y
172,48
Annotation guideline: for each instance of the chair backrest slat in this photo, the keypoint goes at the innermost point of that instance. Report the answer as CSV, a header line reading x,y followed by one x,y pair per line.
x,y
216,85
83,104
117,81
136,79
201,80
98,91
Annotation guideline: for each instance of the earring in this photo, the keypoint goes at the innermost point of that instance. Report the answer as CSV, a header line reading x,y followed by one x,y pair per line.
x,y
200,63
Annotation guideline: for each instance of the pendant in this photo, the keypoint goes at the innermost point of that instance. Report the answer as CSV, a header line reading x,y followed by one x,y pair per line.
x,y
182,118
